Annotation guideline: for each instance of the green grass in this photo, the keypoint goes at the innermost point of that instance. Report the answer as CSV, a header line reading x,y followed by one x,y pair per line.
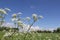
x,y
1,34
32,36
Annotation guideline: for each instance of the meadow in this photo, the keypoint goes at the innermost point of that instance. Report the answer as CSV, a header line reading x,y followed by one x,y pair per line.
x,y
25,24
31,36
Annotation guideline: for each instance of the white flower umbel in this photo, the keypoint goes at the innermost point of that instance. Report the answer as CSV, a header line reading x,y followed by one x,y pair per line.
x,y
16,34
28,18
2,11
35,17
20,23
14,15
40,17
19,13
49,39
8,34
7,9
14,19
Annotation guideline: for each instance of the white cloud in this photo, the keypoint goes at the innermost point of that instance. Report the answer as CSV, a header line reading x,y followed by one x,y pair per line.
x,y
8,25
25,28
33,28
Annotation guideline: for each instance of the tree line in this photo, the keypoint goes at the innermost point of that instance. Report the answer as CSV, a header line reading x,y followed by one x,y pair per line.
x,y
39,31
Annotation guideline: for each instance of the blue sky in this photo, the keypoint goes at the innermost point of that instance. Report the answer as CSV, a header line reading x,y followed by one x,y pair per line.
x,y
50,9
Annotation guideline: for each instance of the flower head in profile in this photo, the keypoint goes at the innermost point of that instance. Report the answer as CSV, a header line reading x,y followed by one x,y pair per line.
x,y
28,18
2,11
14,15
14,19
8,34
40,17
20,23
19,13
7,9
35,17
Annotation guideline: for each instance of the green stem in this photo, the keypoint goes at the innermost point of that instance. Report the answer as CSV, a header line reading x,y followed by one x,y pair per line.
x,y
29,29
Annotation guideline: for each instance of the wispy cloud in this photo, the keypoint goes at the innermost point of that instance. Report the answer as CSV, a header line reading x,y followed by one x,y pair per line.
x,y
11,25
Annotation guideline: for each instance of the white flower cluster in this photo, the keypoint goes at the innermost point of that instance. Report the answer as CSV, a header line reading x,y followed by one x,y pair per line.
x,y
35,17
28,18
20,23
14,19
7,9
2,11
41,17
8,34
14,15
19,13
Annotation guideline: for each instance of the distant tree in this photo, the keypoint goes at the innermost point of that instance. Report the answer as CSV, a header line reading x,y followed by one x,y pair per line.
x,y
45,31
57,30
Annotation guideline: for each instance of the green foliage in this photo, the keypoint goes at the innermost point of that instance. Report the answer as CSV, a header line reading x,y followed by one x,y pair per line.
x,y
1,34
45,31
57,30
32,36
7,29
7,33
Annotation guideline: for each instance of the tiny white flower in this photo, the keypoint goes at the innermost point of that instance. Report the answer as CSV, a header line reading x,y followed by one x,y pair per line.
x,y
16,34
2,11
34,17
10,30
57,36
8,34
39,35
49,39
28,18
